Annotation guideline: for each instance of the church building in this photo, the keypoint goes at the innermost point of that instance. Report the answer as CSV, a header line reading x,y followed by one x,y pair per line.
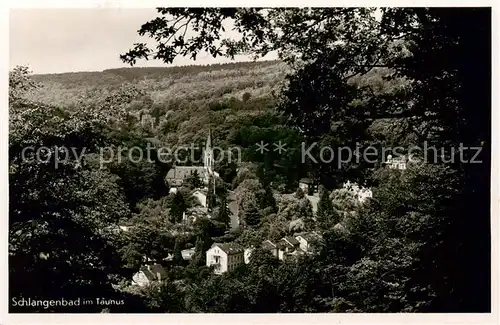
x,y
176,174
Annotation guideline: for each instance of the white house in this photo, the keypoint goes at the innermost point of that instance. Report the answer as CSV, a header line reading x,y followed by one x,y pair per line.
x,y
187,254
271,247
225,257
307,241
126,228
305,184
361,193
149,274
286,246
246,255
399,162
115,229
291,247
201,196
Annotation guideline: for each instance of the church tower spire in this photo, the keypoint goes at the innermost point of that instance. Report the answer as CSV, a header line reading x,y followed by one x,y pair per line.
x,y
209,154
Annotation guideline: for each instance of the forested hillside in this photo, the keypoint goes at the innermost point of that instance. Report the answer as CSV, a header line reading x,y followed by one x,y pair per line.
x,y
166,84
176,104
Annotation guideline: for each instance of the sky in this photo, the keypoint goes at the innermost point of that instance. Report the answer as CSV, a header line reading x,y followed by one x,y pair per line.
x,y
70,40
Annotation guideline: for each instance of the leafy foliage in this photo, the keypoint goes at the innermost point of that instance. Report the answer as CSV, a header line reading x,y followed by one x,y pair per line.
x,y
59,207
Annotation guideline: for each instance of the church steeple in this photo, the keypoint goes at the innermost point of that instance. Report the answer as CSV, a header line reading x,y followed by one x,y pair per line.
x,y
208,145
208,154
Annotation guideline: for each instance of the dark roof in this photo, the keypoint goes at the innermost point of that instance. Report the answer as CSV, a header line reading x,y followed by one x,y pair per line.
x,y
177,173
291,240
310,236
157,268
283,244
267,244
306,180
230,248
151,272
150,276
297,252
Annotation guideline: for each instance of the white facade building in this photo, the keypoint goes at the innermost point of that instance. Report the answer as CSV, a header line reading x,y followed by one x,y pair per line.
x,y
201,196
225,257
397,162
149,274
247,254
307,241
305,184
361,193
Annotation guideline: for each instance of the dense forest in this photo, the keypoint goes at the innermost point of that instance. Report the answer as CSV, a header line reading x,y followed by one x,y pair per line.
x,y
344,79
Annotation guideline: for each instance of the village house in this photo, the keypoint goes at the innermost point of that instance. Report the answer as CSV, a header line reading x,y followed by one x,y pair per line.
x,y
195,213
290,247
187,254
271,247
225,257
307,185
149,274
307,241
201,197
116,229
361,193
286,246
247,254
126,228
291,241
400,162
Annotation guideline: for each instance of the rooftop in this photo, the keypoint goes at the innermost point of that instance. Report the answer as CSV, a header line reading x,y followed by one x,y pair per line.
x,y
283,244
180,172
267,244
230,248
291,240
151,272
306,181
310,236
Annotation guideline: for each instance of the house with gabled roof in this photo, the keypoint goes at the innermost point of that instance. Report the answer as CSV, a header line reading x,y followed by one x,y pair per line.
x,y
290,247
292,241
271,247
201,197
307,185
224,257
308,241
149,274
286,246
